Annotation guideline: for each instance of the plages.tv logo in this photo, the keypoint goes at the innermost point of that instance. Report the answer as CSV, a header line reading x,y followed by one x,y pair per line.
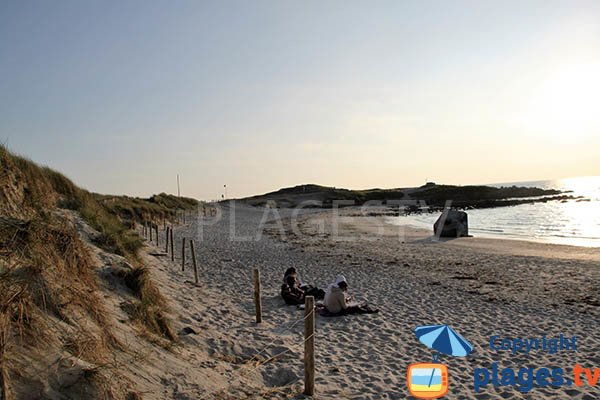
x,y
430,380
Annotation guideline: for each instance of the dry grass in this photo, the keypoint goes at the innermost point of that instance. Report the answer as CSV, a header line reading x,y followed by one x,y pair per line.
x,y
158,207
32,189
48,290
151,309
48,273
5,392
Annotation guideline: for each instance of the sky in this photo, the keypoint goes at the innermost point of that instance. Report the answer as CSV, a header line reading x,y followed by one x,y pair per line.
x,y
122,96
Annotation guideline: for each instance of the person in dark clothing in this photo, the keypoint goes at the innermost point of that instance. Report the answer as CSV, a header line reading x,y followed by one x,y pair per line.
x,y
308,290
291,293
288,272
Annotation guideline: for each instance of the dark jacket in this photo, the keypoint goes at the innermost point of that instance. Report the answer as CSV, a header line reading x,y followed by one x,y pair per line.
x,y
292,295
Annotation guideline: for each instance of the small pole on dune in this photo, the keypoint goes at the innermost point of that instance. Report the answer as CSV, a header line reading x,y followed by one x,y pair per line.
x,y
167,241
150,229
309,346
194,261
257,302
156,227
183,254
172,241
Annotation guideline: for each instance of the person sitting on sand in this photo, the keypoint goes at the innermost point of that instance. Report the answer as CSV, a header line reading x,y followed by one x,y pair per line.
x,y
308,290
336,301
290,291
291,271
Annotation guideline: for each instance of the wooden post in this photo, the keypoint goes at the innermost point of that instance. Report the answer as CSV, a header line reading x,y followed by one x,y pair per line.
x,y
257,303
156,227
183,254
309,346
167,241
172,241
194,261
150,229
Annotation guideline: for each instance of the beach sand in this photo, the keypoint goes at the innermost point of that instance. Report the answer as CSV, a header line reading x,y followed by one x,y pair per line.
x,y
480,287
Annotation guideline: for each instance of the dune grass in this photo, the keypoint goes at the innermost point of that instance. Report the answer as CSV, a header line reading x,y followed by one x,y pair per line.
x,y
47,274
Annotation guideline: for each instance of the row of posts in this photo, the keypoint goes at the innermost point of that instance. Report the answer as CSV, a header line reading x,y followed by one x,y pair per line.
x,y
309,304
150,231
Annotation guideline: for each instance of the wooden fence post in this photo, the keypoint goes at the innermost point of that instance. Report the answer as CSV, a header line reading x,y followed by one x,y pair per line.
x,y
183,254
309,345
194,261
150,229
257,302
172,241
167,240
156,227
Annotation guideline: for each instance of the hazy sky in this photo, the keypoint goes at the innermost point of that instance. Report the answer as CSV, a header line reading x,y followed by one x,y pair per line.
x,y
258,95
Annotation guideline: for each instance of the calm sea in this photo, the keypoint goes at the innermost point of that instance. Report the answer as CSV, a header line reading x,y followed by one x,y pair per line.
x,y
572,222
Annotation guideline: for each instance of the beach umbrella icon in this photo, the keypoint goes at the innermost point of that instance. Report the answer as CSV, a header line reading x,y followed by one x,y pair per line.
x,y
443,339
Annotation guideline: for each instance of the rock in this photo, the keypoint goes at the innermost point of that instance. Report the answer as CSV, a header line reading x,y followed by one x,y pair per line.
x,y
188,331
455,225
277,377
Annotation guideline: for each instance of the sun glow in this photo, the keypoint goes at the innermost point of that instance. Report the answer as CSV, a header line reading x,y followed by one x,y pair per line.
x,y
566,104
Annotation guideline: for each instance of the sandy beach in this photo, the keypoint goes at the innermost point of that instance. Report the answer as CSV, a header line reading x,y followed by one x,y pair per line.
x,y
253,137
480,287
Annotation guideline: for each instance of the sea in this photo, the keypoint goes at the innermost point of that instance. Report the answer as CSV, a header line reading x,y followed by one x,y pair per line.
x,y
572,222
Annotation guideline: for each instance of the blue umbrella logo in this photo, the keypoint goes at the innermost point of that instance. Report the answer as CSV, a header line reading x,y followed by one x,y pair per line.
x,y
443,339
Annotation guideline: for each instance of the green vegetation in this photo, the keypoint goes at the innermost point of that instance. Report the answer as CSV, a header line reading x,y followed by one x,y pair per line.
x,y
36,190
325,196
434,195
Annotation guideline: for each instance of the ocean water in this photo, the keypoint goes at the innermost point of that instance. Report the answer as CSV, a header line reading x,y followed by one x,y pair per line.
x,y
573,222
